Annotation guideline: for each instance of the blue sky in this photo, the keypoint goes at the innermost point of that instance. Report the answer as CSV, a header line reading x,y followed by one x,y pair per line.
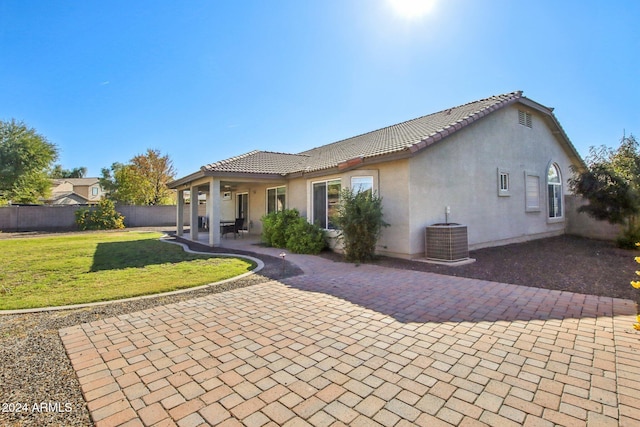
x,y
205,80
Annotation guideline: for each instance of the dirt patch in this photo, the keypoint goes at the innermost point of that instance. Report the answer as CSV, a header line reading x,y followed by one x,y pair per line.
x,y
564,263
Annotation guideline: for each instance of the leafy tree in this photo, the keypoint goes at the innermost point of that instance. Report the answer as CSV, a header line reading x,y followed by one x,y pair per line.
x,y
121,184
142,181
25,158
59,172
359,219
611,185
156,172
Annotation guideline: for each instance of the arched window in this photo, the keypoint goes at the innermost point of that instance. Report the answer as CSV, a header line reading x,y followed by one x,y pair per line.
x,y
554,185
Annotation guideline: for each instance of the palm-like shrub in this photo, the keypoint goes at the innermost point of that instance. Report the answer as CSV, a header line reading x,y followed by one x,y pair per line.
x,y
359,219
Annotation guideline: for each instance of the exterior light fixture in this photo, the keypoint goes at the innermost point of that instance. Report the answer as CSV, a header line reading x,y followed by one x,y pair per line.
x,y
283,255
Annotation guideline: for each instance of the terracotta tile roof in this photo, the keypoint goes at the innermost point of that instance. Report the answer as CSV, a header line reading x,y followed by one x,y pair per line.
x,y
410,136
264,162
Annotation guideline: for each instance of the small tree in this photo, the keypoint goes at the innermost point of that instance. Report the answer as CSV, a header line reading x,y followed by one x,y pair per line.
x,y
611,184
156,172
142,181
103,217
359,218
122,184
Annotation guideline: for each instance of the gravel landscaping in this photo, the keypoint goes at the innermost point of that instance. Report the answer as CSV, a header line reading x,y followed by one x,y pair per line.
x,y
564,263
35,368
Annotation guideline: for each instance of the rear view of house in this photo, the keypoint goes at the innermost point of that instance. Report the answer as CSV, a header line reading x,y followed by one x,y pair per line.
x,y
498,165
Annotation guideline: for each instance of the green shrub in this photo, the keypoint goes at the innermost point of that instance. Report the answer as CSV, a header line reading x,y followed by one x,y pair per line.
x,y
274,227
287,229
83,218
103,217
305,238
359,219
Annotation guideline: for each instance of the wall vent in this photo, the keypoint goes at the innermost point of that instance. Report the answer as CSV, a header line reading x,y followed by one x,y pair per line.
x,y
524,118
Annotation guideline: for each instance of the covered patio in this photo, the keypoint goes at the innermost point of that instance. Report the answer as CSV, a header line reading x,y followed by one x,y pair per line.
x,y
242,187
226,200
244,242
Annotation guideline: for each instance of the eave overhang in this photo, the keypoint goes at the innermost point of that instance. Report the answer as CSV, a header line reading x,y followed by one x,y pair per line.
x,y
462,123
362,161
198,177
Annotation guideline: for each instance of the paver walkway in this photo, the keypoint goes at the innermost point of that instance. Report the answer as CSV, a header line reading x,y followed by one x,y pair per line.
x,y
365,346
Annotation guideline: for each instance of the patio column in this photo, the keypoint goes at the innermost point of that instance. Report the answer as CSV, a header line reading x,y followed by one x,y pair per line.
x,y
180,214
213,212
193,227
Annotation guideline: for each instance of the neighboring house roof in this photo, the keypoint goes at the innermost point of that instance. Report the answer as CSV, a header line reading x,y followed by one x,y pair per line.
x,y
78,181
68,198
401,140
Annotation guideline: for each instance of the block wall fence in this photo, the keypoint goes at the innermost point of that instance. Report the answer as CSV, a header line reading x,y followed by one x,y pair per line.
x,y
581,224
62,218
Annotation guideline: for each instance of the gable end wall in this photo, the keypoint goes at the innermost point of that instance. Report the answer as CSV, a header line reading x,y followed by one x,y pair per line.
x,y
462,172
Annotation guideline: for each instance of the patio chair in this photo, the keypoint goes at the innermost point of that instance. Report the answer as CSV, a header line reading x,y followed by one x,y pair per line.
x,y
233,228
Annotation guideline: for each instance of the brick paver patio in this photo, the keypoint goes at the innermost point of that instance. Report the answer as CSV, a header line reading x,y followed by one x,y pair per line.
x,y
365,346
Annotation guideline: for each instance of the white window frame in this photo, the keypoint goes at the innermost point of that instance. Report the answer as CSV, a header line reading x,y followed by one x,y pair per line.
x,y
326,221
504,183
281,187
555,194
357,186
532,204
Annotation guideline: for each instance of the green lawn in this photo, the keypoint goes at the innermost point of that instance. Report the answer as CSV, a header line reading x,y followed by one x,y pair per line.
x,y
90,267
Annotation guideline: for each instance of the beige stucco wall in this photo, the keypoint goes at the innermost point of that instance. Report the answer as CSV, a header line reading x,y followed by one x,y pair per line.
x,y
228,207
257,193
64,186
389,180
393,187
462,173
82,190
297,195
